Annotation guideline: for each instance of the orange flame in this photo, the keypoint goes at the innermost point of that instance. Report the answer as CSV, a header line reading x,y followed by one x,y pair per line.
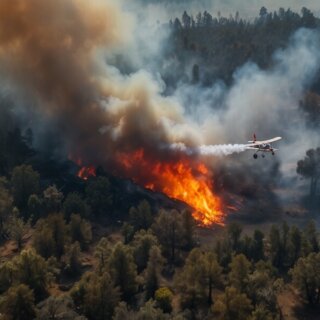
x,y
182,180
86,172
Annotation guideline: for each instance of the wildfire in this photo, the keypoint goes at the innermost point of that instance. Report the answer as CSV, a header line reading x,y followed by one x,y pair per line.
x,y
183,180
86,172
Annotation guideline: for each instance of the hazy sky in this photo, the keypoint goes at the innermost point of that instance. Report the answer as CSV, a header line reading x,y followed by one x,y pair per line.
x,y
246,8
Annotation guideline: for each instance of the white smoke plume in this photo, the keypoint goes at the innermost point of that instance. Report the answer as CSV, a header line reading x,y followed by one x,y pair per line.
x,y
222,149
218,150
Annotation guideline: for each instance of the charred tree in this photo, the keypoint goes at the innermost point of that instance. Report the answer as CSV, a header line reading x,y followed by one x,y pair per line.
x,y
309,168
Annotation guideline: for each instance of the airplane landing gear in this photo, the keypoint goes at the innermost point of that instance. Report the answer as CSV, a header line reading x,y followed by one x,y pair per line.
x,y
272,153
255,156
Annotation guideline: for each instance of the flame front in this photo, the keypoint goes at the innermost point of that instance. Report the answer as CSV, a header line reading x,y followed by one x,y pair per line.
x,y
86,172
182,180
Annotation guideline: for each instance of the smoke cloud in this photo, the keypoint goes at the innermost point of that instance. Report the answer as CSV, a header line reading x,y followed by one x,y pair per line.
x,y
53,52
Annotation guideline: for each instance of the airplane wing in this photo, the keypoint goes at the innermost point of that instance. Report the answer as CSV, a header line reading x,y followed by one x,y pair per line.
x,y
266,141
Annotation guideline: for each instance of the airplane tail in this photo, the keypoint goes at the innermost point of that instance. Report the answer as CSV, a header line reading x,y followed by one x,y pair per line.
x,y
254,139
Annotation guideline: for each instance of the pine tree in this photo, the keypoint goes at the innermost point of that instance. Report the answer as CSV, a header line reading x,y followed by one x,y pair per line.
x,y
24,181
33,270
168,228
96,296
74,204
240,268
306,278
141,217
102,253
232,305
153,271
123,271
18,303
80,230
141,244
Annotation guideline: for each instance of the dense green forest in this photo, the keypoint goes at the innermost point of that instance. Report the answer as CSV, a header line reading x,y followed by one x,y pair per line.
x,y
89,249
60,260
221,45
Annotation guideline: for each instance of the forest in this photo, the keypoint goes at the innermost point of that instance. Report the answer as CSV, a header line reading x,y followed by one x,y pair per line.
x,y
221,44
99,247
64,256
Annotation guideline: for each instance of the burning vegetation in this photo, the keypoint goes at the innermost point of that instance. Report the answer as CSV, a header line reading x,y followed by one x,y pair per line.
x,y
86,172
185,180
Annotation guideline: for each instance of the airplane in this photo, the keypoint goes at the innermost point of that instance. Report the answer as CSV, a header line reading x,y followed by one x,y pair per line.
x,y
263,146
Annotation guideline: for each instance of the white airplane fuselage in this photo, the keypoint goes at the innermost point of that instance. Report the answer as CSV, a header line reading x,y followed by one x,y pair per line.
x,y
266,147
262,146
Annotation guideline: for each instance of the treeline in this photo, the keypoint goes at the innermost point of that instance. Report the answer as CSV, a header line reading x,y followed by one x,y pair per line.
x,y
205,19
221,45
66,265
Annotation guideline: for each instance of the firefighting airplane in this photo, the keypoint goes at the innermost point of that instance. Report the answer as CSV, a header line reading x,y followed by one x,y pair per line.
x,y
263,146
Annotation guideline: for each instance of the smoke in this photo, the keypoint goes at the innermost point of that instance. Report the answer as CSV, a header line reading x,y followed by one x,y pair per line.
x,y
222,150
54,53
261,101
219,150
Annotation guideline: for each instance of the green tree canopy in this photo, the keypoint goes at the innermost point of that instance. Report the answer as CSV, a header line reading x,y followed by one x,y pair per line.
x,y
80,230
306,277
163,297
123,271
168,227
142,242
35,207
72,260
102,252
7,275
25,182
17,229
232,305
141,217
74,204
18,303
5,207
96,296
33,271
52,198
200,275
234,233
99,196
51,236
153,271
54,308
240,269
